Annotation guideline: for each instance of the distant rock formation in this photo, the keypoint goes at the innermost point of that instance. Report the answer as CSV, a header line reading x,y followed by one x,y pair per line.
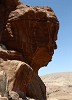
x,y
27,41
58,86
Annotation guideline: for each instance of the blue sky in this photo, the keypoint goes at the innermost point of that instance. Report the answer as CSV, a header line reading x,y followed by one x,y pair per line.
x,y
62,59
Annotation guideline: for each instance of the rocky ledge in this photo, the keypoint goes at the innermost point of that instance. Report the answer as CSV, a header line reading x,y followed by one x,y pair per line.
x,y
27,41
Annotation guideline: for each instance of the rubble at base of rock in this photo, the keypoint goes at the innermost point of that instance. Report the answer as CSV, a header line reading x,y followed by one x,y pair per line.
x,y
27,41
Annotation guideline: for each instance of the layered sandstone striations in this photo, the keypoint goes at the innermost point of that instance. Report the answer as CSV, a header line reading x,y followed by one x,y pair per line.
x,y
27,41
33,32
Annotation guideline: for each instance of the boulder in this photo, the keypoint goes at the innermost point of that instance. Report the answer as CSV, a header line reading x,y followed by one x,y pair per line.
x,y
23,80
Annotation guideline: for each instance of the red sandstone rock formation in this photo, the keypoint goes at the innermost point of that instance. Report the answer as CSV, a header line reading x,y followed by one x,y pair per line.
x,y
29,35
33,32
23,80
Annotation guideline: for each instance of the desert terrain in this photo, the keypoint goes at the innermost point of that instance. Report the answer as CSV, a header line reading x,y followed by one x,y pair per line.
x,y
58,86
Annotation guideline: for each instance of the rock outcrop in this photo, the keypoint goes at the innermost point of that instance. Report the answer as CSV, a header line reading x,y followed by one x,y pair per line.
x,y
23,80
27,41
31,31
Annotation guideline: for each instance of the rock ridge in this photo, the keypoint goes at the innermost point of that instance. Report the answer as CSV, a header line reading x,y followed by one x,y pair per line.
x,y
58,86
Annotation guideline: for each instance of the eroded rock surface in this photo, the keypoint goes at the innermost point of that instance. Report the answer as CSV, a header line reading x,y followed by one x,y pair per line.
x,y
33,32
27,41
23,80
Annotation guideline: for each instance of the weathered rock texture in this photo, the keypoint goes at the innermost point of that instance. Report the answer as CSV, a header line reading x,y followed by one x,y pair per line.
x,y
27,43
31,31
23,80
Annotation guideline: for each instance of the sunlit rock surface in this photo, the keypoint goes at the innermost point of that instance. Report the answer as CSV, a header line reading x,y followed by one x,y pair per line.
x,y
27,41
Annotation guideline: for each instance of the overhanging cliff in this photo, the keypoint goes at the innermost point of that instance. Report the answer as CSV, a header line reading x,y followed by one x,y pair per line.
x,y
27,36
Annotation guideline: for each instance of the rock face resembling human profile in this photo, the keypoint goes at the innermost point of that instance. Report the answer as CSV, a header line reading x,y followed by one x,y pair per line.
x,y
27,41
